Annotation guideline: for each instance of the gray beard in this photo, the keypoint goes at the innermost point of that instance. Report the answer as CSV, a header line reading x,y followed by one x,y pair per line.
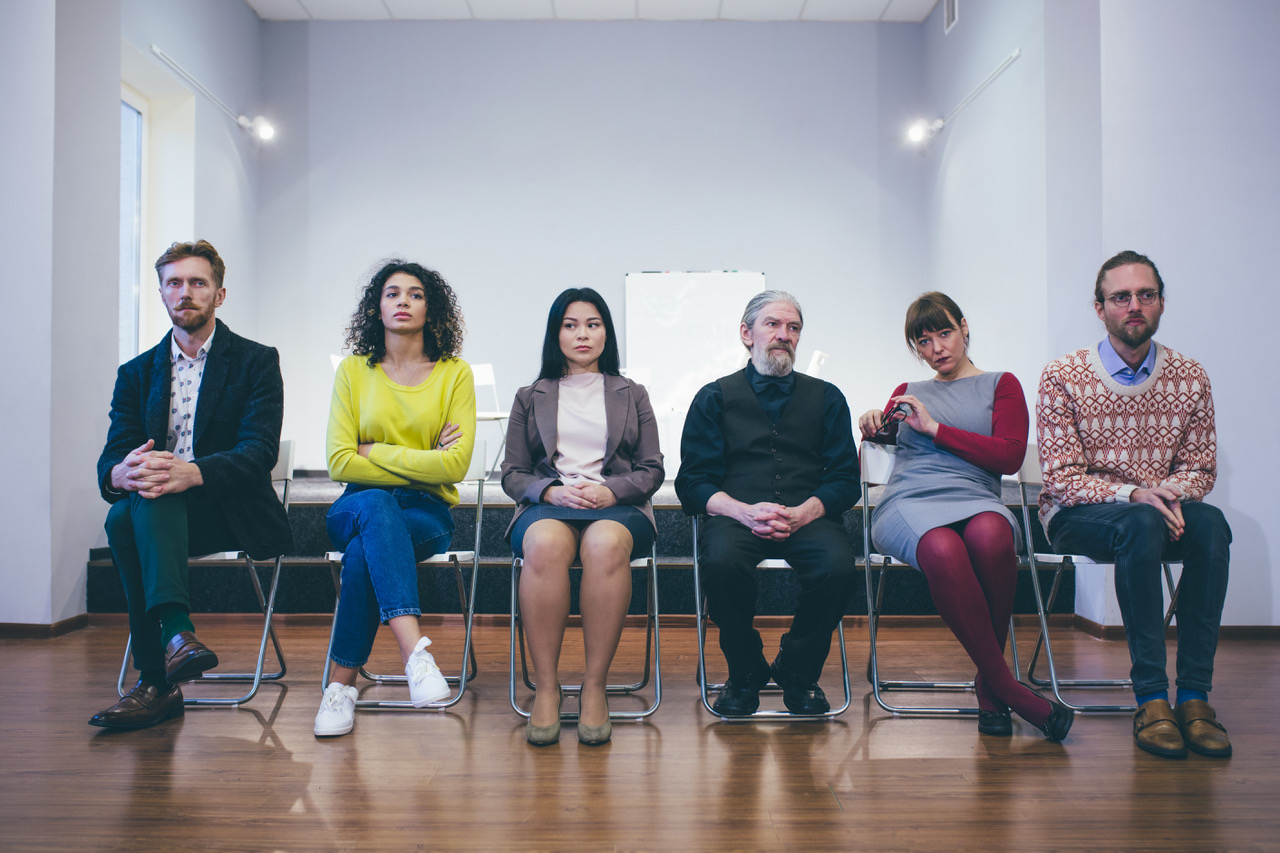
x,y
773,363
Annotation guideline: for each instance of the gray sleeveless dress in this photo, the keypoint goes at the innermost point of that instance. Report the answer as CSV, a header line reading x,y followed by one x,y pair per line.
x,y
931,487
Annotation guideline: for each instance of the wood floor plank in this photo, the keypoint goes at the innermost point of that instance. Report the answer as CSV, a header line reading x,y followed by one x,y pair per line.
x,y
256,778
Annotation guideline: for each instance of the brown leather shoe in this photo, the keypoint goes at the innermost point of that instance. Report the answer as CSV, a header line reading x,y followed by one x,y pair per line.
x,y
186,657
1156,730
143,706
1201,729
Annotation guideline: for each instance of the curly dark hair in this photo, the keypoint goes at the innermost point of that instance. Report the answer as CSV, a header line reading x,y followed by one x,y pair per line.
x,y
442,336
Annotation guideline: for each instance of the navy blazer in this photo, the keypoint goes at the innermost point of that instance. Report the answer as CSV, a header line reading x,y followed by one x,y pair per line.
x,y
632,461
237,432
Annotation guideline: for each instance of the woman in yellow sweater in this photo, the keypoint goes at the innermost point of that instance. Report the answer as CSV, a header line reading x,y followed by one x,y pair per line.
x,y
401,429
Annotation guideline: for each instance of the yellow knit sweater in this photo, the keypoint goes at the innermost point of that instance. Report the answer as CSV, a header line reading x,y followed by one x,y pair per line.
x,y
403,424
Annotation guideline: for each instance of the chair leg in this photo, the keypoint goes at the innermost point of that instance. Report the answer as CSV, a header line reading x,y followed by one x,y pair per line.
x,y
652,656
255,678
880,686
469,667
706,688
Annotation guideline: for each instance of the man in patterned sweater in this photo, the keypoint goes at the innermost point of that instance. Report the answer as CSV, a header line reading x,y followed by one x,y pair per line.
x,y
1128,450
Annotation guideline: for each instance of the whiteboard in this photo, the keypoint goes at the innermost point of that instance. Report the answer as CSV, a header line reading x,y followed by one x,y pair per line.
x,y
681,333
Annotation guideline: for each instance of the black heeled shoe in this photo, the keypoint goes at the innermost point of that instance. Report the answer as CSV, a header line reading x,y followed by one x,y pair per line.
x,y
1059,723
995,723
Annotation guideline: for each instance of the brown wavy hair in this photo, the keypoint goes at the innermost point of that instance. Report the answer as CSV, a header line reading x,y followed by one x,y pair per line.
x,y
442,336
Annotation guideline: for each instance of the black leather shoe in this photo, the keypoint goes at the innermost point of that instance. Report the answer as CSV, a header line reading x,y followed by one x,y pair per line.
x,y
186,658
1059,723
142,707
740,697
798,694
995,723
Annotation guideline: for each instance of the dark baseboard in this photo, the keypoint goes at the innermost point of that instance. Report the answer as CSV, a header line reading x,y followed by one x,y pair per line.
x,y
28,631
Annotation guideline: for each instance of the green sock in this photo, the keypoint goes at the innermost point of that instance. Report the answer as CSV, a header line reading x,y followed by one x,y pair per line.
x,y
174,618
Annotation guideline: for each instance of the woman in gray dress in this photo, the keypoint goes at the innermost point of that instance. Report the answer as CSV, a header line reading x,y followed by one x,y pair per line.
x,y
941,510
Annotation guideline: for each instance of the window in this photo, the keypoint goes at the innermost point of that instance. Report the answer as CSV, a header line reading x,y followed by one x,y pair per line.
x,y
132,142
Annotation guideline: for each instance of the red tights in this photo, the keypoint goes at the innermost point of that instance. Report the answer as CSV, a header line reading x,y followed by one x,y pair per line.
x,y
972,570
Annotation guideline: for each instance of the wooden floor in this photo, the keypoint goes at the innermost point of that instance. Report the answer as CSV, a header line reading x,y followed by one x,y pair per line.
x,y
256,778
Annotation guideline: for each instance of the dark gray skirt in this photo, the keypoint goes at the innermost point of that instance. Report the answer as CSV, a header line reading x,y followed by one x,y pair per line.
x,y
629,517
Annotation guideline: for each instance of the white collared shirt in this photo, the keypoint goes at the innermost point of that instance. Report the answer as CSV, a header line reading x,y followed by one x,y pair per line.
x,y
184,393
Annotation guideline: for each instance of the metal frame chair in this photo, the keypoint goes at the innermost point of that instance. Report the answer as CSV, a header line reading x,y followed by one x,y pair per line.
x,y
700,601
478,474
281,473
1031,475
483,376
877,464
652,651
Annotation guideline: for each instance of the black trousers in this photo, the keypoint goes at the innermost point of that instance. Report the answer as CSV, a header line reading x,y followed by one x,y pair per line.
x,y
824,564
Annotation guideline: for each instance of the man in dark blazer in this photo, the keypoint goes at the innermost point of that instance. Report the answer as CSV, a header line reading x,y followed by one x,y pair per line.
x,y
195,430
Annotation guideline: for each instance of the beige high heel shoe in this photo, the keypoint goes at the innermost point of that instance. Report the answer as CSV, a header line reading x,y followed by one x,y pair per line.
x,y
545,735
596,735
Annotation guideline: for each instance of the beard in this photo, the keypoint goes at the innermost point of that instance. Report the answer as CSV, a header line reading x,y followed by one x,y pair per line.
x,y
191,322
777,360
1134,336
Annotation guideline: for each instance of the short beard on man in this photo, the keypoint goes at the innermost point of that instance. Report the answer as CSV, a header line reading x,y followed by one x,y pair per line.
x,y
774,361
190,323
1135,338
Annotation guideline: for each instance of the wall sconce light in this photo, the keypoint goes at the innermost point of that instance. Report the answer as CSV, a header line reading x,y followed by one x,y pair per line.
x,y
922,130
257,127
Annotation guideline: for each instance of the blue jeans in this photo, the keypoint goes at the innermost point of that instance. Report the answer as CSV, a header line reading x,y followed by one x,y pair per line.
x,y
1135,538
383,532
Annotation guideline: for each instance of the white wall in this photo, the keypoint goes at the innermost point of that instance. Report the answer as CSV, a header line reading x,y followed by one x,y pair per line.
x,y
987,204
26,242
1190,177
522,158
59,233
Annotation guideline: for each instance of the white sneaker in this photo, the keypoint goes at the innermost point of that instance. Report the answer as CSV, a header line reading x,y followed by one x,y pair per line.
x,y
337,712
426,684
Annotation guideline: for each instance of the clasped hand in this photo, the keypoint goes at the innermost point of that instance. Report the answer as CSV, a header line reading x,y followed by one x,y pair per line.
x,y
581,496
775,521
152,473
1168,502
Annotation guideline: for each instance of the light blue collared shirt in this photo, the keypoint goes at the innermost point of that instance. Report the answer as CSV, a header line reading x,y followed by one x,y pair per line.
x,y
1121,372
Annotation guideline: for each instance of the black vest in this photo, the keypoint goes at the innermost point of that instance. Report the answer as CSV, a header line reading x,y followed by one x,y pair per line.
x,y
781,462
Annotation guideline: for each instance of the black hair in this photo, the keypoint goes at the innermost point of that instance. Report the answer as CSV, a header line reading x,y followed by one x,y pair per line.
x,y
554,364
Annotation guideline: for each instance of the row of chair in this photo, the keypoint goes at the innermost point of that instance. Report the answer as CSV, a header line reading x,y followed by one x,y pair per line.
x,y
877,465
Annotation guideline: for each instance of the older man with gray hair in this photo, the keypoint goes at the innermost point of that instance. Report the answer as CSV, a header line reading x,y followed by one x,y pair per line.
x,y
768,455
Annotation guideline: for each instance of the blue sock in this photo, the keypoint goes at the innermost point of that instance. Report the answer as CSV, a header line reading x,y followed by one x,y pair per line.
x,y
1185,693
1159,694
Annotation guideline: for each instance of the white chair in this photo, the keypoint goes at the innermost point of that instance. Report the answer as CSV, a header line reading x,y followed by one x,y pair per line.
x,y
652,652
487,393
282,474
1030,475
877,465
466,596
700,602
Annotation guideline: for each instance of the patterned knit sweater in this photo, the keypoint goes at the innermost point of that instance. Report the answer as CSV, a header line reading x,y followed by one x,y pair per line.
x,y
1099,440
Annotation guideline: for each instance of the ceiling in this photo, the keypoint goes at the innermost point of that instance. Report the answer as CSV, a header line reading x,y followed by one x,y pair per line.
x,y
900,11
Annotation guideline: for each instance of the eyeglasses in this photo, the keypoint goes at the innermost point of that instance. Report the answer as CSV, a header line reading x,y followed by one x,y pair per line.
x,y
900,412
1121,299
